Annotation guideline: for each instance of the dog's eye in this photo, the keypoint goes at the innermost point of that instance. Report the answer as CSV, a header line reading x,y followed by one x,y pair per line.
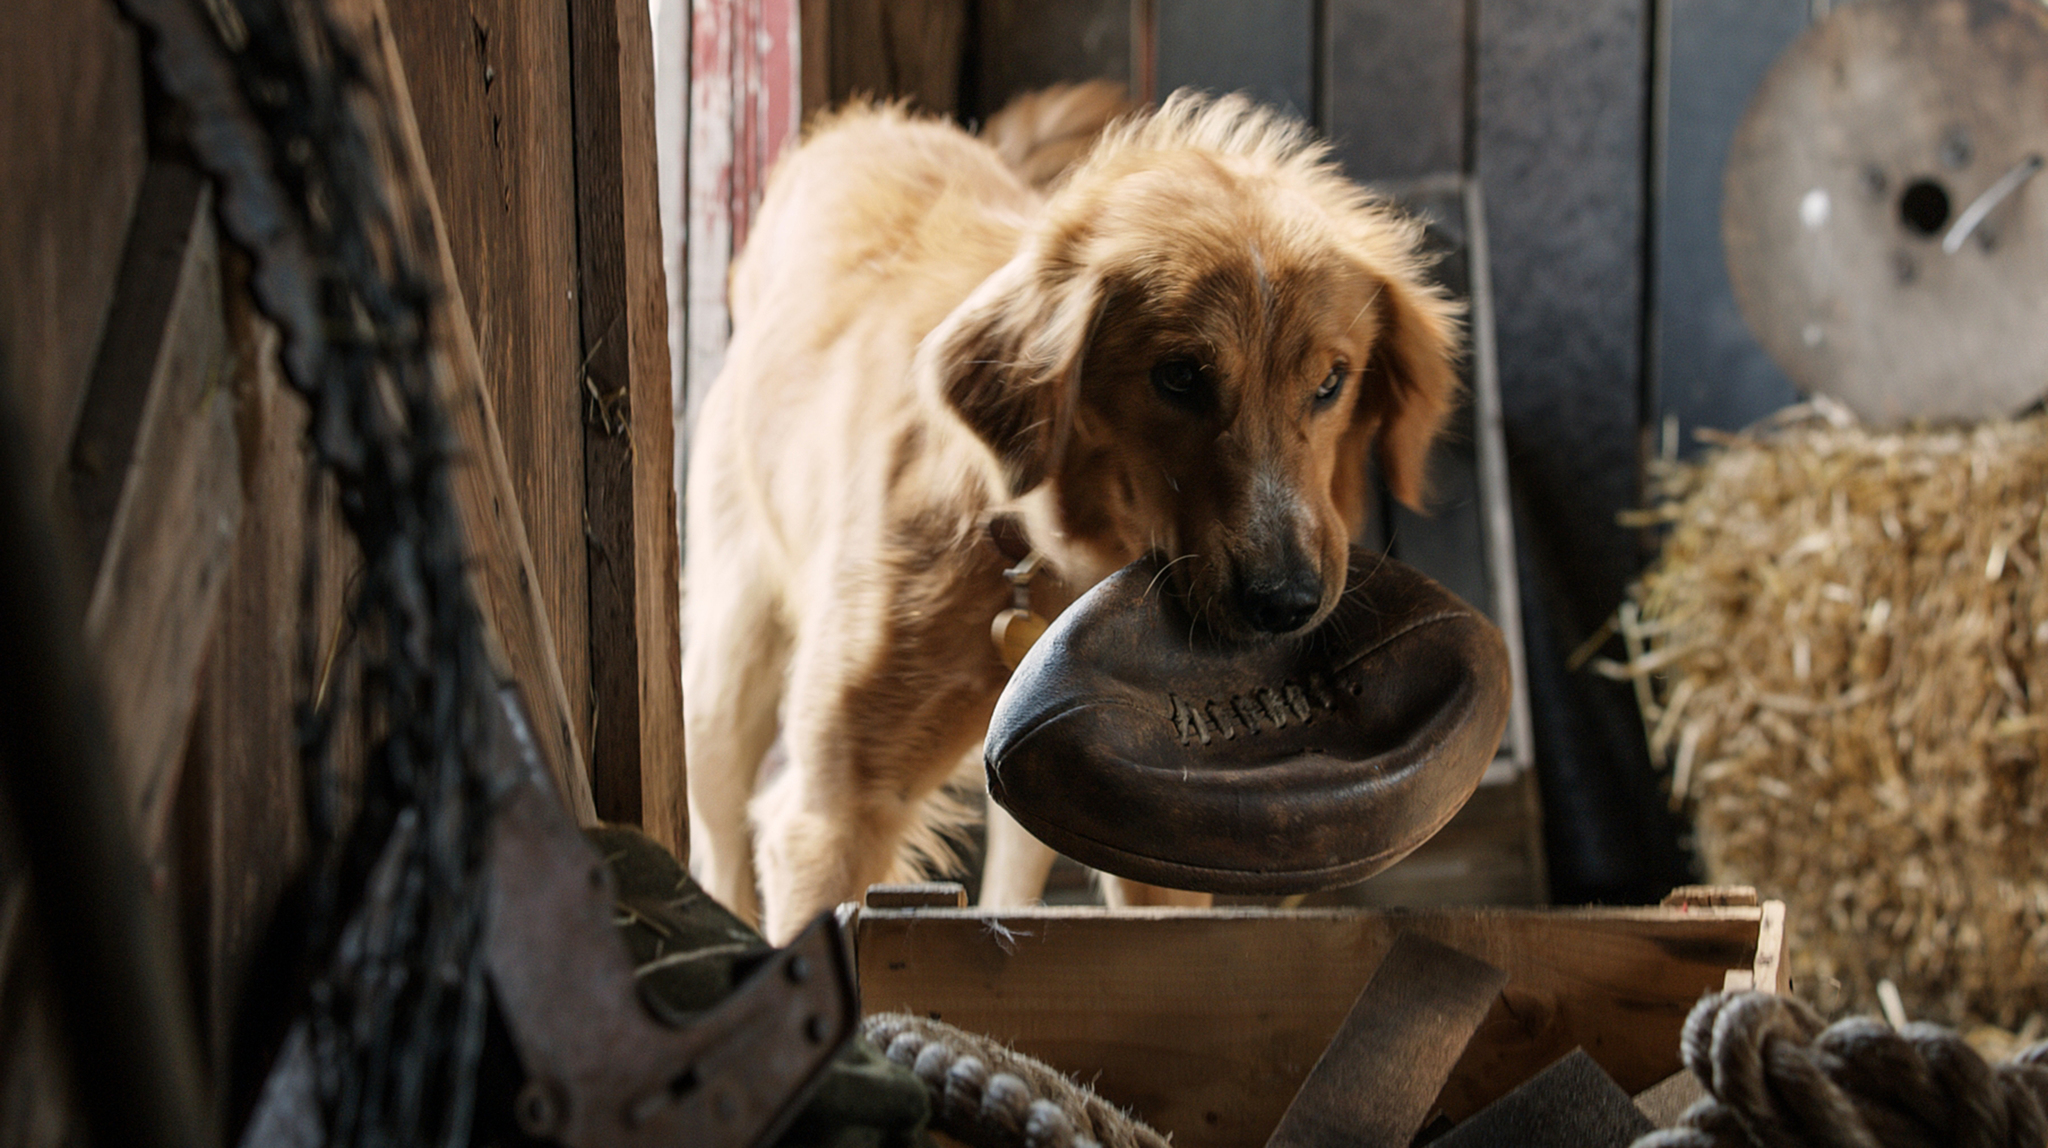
x,y
1178,380
1333,385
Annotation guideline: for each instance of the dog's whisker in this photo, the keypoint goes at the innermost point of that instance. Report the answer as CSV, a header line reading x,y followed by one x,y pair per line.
x,y
1370,300
1154,584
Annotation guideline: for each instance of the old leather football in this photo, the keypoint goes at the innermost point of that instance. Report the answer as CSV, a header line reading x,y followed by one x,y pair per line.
x,y
1134,741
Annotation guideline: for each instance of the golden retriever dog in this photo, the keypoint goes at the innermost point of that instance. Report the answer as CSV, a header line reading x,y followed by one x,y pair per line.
x,y
1193,344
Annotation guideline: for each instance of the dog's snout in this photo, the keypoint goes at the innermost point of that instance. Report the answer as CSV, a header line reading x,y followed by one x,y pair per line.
x,y
1282,604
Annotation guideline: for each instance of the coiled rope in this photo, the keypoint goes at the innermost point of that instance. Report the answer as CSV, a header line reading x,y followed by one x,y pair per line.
x,y
1777,1078
986,1096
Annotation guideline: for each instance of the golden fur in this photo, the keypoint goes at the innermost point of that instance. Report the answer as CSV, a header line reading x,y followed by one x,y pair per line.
x,y
1139,359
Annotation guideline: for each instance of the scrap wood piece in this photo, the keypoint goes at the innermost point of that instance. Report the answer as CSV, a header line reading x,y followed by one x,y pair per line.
x,y
1571,1104
1665,1101
1376,1082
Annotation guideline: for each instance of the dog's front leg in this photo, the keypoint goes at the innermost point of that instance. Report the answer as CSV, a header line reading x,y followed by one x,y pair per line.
x,y
1014,869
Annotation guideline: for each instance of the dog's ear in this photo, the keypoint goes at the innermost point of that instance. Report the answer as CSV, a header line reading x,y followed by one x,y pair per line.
x,y
1007,362
1415,363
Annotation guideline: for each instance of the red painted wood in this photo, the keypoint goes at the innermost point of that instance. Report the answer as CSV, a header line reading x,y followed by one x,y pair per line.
x,y
744,105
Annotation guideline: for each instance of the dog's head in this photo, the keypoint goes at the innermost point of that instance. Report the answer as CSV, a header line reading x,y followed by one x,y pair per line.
x,y
1197,351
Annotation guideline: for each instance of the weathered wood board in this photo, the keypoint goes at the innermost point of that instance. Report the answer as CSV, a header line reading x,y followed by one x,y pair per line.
x,y
1206,1022
155,486
71,160
491,94
635,636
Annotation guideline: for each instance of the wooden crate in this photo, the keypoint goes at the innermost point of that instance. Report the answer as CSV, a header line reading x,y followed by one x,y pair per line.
x,y
1205,1022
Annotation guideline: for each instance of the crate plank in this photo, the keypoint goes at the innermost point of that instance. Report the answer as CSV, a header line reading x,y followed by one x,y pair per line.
x,y
1207,1022
1707,368
1264,49
155,487
492,99
1394,85
1376,1083
636,744
71,161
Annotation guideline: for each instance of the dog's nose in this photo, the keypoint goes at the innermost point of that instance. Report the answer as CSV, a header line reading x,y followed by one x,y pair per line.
x,y
1284,604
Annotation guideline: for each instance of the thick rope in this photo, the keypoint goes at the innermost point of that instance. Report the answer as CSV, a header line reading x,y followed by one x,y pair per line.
x,y
986,1096
1777,1079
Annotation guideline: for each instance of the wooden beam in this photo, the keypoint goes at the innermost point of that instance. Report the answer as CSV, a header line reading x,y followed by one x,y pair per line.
x,y
892,48
491,95
629,437
155,485
507,588
72,148
241,831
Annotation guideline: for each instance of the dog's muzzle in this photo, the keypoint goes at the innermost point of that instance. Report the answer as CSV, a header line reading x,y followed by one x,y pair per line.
x,y
1143,745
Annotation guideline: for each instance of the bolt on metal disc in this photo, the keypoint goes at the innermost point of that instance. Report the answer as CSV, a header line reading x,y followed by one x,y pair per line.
x,y
1885,214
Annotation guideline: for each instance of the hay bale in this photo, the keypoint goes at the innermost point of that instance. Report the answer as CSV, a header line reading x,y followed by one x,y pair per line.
x,y
1845,654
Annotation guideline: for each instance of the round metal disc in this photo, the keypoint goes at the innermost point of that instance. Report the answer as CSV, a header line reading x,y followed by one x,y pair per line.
x,y
1867,238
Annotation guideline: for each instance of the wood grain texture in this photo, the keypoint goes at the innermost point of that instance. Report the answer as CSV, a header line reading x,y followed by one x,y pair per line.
x,y
893,48
1205,1023
1394,88
506,584
241,829
492,96
636,755
155,484
71,160
1375,1085
1021,45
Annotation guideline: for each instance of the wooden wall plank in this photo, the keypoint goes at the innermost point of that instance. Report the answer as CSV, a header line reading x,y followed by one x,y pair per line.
x,y
1021,45
491,89
71,159
1394,86
636,742
1264,48
890,48
241,804
1205,1023
506,584
155,481
1559,145
1707,369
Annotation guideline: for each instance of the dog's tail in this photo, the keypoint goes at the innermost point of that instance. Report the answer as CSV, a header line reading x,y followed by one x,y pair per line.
x,y
1042,134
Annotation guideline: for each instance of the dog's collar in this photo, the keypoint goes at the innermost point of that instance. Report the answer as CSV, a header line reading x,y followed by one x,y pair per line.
x,y
1015,630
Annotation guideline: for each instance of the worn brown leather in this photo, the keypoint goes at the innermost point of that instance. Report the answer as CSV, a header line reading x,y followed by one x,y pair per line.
x,y
1134,741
